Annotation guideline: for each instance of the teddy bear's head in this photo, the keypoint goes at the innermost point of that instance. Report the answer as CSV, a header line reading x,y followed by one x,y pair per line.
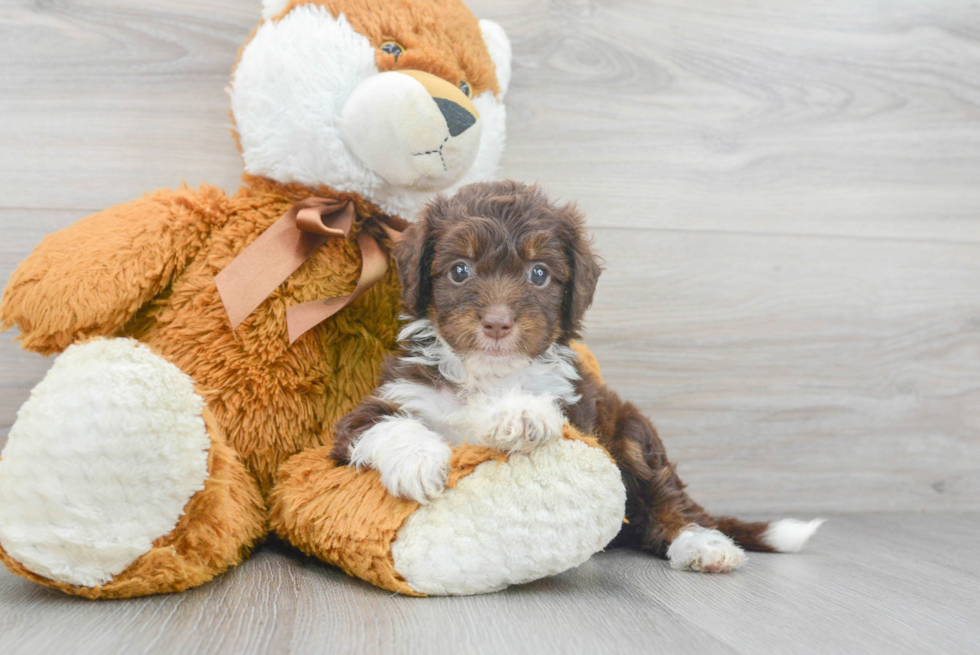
x,y
392,99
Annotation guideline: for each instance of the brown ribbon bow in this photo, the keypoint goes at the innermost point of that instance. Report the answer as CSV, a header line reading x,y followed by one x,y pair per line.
x,y
259,269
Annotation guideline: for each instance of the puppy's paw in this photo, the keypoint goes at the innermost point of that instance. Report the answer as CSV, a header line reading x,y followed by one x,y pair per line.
x,y
521,422
413,461
420,476
708,551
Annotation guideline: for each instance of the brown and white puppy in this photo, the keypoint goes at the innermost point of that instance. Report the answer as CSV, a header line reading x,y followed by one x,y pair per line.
x,y
496,281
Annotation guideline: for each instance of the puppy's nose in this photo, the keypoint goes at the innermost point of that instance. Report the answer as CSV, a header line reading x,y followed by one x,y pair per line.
x,y
497,323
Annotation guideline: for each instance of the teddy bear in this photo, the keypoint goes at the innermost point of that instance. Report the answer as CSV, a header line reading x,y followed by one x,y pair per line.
x,y
207,343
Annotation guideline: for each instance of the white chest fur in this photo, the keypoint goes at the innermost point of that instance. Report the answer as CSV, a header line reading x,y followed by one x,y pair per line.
x,y
481,388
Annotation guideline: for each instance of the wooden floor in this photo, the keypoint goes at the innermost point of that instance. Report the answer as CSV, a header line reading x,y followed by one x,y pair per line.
x,y
871,583
787,196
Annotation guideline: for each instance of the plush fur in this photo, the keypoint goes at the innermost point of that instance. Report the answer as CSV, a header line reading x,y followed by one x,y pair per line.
x,y
217,529
497,280
75,486
145,271
506,519
336,43
488,511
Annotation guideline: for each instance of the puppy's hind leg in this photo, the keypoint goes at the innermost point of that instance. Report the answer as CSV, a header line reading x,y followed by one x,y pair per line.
x,y
665,521
662,518
699,548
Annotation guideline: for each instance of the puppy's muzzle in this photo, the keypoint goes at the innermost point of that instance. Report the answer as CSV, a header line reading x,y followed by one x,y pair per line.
x,y
497,323
413,129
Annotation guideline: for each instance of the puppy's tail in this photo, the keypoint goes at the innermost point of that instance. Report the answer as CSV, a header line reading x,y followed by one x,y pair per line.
x,y
784,536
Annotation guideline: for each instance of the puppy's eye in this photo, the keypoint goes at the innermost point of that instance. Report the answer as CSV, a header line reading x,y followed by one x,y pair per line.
x,y
459,272
465,88
538,276
392,48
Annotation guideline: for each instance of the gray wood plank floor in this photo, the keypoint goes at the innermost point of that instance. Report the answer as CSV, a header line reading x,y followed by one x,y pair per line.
x,y
787,195
869,583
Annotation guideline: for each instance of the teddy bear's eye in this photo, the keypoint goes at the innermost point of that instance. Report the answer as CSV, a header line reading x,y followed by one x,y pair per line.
x,y
392,48
465,88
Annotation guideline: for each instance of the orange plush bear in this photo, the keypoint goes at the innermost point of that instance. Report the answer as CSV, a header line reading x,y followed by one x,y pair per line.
x,y
208,343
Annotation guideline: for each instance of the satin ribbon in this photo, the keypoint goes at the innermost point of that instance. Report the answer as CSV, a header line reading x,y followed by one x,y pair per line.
x,y
258,270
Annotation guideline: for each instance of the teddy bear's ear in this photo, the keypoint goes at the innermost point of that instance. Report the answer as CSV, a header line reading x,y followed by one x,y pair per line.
x,y
272,8
499,46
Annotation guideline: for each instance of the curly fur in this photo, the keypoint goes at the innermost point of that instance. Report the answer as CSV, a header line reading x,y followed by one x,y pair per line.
x,y
145,270
460,375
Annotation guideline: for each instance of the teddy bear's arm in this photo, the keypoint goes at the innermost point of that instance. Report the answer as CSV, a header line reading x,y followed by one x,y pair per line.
x,y
91,278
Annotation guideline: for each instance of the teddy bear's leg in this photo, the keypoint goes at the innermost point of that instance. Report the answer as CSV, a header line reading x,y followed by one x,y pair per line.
x,y
503,519
116,481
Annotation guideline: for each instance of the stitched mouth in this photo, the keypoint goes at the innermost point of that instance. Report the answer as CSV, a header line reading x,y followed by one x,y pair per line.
x,y
437,151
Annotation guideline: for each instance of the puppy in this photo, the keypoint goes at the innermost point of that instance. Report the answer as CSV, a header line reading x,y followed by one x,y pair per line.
x,y
495,283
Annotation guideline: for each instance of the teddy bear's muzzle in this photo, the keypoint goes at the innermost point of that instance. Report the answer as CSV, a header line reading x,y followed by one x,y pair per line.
x,y
413,129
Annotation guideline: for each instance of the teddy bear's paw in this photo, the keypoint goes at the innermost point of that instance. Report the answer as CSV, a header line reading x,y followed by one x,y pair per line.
x,y
704,550
521,422
101,462
413,461
513,521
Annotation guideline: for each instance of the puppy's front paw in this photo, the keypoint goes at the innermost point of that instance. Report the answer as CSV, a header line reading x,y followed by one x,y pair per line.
x,y
701,549
522,422
413,461
420,475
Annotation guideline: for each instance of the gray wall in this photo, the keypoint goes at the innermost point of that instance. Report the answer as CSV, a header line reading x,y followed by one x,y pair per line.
x,y
788,202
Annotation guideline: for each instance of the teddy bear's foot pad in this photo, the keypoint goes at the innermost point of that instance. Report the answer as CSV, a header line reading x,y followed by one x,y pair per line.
x,y
540,514
101,461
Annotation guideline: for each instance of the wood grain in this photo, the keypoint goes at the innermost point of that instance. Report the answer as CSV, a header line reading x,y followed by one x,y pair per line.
x,y
103,101
800,372
868,583
786,196
764,117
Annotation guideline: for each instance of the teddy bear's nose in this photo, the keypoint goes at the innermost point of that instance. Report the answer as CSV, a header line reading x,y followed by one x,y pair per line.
x,y
457,118
444,93
413,129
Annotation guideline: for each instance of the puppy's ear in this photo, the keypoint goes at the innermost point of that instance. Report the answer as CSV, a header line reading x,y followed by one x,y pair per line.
x,y
414,253
584,269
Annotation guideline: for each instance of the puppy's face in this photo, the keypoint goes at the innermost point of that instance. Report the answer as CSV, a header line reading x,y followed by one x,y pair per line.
x,y
499,269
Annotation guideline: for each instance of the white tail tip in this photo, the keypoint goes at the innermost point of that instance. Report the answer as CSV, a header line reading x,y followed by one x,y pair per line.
x,y
790,535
